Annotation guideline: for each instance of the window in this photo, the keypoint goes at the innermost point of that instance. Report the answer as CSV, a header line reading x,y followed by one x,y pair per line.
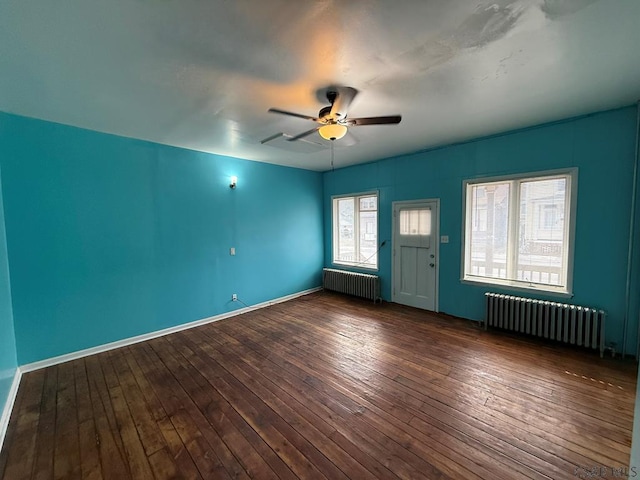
x,y
355,230
518,231
415,222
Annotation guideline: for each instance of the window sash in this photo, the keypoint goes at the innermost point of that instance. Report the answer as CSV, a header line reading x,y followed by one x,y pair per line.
x,y
361,231
541,275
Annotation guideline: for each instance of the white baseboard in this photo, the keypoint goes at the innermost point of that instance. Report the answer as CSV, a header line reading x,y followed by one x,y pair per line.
x,y
158,333
8,406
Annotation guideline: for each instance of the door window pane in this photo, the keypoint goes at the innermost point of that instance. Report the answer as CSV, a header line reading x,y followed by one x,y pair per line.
x,y
415,222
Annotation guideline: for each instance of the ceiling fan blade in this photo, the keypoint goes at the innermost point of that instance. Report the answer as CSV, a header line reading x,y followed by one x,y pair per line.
x,y
292,114
272,137
345,96
303,134
388,120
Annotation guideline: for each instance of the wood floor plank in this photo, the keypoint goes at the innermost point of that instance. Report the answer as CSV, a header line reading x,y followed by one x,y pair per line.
x,y
45,445
147,428
326,386
193,388
200,450
255,455
67,444
354,405
287,407
183,415
178,451
510,387
213,408
164,466
370,443
370,401
24,426
175,447
371,379
112,457
137,460
89,452
250,408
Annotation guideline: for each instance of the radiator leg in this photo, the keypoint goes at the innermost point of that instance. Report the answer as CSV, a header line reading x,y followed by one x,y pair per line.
x,y
489,307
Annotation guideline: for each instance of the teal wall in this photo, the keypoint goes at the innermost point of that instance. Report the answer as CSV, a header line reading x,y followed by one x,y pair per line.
x,y
8,359
601,145
110,237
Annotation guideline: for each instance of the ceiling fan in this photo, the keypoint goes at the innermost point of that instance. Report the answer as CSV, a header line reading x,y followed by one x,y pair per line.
x,y
333,118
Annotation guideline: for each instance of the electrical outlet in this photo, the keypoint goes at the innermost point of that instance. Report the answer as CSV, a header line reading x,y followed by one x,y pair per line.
x,y
234,297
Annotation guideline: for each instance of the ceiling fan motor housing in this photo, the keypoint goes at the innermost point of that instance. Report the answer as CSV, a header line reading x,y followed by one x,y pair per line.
x,y
324,111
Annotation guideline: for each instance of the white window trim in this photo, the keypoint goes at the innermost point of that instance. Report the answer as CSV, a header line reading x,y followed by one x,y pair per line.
x,y
566,291
334,225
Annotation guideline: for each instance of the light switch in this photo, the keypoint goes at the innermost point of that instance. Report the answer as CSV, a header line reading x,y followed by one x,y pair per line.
x,y
444,239
232,251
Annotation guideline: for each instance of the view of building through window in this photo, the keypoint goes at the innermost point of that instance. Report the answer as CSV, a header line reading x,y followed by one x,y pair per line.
x,y
517,230
355,230
541,240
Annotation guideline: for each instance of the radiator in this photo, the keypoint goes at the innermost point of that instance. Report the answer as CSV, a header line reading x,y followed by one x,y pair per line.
x,y
571,324
358,284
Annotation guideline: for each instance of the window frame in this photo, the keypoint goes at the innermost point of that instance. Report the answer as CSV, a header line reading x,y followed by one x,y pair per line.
x,y
515,180
334,229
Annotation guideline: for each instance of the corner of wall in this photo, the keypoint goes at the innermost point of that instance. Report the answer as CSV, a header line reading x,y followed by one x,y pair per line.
x,y
9,371
5,416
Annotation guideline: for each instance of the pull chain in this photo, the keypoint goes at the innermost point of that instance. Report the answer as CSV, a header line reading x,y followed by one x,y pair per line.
x,y
332,155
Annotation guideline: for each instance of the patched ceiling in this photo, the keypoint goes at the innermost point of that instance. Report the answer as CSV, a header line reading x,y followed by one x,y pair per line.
x,y
202,74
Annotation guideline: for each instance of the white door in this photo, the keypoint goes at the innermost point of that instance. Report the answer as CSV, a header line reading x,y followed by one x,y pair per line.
x,y
415,254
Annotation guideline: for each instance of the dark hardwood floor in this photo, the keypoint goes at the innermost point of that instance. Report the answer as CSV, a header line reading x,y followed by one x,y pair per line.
x,y
326,386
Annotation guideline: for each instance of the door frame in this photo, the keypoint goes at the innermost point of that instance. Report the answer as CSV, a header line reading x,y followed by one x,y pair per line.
x,y
436,243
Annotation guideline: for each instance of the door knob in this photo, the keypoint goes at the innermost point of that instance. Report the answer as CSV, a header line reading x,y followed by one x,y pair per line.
x,y
432,264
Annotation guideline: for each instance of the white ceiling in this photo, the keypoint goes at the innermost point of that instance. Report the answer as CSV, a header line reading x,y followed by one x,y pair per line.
x,y
201,74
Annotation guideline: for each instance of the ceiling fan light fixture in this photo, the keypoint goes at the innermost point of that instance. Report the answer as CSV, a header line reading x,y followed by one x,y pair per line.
x,y
332,131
